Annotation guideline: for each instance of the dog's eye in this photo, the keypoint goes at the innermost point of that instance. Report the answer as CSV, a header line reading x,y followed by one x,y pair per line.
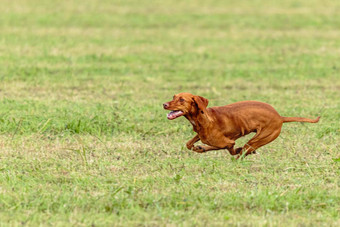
x,y
181,100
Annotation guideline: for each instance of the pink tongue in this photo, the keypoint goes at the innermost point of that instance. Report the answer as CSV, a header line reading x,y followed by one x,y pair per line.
x,y
174,114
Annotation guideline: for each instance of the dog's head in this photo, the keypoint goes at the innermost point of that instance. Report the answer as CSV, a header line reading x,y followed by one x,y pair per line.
x,y
185,103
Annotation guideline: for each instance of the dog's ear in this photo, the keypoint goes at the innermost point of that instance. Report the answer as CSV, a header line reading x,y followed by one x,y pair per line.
x,y
201,102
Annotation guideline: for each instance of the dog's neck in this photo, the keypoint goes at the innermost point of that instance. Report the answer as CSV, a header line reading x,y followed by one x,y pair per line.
x,y
199,119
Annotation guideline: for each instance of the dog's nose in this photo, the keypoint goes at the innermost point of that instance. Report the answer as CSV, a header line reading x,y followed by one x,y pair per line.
x,y
166,105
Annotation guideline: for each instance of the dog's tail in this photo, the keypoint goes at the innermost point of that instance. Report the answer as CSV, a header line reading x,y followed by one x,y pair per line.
x,y
299,119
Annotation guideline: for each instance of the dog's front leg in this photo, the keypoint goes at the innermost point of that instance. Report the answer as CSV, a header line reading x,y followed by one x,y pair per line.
x,y
202,148
190,143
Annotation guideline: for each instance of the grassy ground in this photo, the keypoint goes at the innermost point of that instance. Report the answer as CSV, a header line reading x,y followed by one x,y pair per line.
x,y
85,141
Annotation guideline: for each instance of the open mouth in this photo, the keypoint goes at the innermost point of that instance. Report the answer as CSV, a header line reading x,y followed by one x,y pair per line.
x,y
174,114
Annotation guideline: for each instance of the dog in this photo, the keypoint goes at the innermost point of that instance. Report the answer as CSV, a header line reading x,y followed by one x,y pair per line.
x,y
218,127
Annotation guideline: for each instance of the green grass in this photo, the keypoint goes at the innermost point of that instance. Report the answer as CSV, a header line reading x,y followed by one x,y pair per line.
x,y
84,139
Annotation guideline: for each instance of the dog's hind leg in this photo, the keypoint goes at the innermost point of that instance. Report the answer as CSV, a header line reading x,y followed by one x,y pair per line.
x,y
261,138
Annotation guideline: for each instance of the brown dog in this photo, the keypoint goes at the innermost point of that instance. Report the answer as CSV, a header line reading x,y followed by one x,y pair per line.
x,y
220,126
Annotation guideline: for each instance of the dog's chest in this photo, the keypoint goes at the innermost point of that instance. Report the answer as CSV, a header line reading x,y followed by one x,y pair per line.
x,y
209,137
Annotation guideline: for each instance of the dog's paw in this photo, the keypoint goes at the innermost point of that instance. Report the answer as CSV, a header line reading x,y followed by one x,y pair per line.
x,y
199,149
190,146
238,150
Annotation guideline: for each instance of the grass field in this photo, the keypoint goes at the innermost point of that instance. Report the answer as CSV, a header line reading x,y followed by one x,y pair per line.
x,y
84,139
